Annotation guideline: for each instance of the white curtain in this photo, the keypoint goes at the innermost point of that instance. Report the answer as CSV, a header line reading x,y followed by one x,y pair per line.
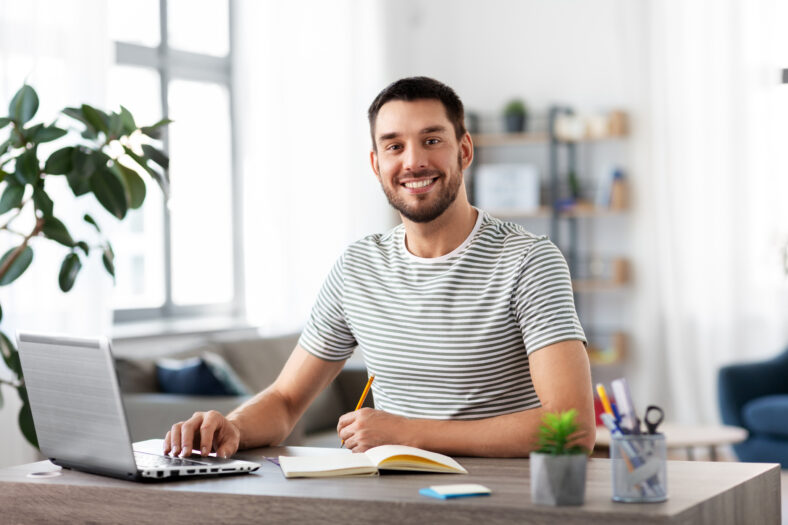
x,y
305,72
59,47
711,212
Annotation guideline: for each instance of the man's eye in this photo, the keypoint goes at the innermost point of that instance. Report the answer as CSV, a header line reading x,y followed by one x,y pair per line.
x,y
393,147
432,142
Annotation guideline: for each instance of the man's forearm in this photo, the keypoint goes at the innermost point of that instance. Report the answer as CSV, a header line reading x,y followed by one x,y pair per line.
x,y
510,435
264,420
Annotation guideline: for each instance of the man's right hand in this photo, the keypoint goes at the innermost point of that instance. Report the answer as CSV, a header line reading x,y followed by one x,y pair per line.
x,y
207,431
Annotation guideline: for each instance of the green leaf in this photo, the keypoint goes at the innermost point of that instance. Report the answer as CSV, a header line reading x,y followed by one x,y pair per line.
x,y
4,121
48,134
84,165
42,201
90,220
55,229
108,258
162,180
10,355
84,247
134,185
24,105
60,162
68,271
154,131
26,418
76,113
18,267
95,118
129,126
27,167
4,146
11,198
1,313
110,192
157,156
31,132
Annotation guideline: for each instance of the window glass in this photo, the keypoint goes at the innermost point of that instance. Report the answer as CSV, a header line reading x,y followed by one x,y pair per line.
x,y
199,26
138,241
200,205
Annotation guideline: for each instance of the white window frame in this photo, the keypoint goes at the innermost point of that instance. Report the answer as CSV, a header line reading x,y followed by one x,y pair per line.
x,y
182,65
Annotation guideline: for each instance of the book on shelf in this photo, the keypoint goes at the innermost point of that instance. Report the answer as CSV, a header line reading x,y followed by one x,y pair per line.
x,y
384,457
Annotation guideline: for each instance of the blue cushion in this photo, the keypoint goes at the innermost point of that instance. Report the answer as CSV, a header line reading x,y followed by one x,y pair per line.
x,y
767,415
190,377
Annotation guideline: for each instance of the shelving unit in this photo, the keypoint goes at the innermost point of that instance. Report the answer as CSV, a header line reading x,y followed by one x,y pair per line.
x,y
606,347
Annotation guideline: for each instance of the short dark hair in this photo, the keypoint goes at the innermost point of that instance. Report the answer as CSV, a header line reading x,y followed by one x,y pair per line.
x,y
419,88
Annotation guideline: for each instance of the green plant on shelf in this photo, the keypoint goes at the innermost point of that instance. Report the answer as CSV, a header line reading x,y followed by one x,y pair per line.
x,y
105,157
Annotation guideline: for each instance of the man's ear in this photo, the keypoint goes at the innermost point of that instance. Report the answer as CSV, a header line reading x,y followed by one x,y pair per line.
x,y
373,160
466,150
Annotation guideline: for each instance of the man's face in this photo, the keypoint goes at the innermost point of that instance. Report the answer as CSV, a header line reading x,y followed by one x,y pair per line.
x,y
419,161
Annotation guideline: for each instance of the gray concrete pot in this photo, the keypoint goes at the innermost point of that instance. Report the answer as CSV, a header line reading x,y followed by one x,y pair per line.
x,y
558,480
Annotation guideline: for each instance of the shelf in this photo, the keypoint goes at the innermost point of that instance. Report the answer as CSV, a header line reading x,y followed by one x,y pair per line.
x,y
485,140
609,354
510,139
596,285
544,212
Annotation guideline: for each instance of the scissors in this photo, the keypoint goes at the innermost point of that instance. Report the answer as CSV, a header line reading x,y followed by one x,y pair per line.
x,y
653,418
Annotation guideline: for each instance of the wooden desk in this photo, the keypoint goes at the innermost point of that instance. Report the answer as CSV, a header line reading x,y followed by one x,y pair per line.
x,y
699,492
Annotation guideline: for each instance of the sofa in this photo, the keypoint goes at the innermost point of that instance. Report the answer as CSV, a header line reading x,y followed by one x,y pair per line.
x,y
256,362
755,396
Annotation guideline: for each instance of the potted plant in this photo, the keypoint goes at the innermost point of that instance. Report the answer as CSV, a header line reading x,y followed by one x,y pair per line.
x,y
105,157
515,115
558,466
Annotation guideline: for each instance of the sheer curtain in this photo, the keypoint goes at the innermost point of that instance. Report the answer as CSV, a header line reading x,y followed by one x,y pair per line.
x,y
305,72
711,215
59,47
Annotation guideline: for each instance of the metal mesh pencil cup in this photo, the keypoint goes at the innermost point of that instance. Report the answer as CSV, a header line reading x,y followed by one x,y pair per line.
x,y
639,464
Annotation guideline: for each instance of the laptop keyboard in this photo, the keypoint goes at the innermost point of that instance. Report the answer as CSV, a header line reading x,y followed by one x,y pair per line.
x,y
145,460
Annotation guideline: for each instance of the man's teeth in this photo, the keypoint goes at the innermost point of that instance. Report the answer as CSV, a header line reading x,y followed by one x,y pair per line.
x,y
418,184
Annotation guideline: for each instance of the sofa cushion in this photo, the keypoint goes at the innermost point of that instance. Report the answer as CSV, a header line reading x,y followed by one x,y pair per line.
x,y
137,374
258,361
767,415
206,375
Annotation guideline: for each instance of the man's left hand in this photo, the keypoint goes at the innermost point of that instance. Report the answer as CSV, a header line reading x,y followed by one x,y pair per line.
x,y
367,428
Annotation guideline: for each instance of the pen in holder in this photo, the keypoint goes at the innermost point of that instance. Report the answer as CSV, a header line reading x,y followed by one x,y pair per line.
x,y
639,463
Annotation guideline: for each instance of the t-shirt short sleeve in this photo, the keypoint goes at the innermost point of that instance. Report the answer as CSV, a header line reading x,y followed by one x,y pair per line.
x,y
543,299
327,334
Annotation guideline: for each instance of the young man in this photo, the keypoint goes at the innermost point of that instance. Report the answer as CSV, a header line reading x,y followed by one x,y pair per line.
x,y
467,322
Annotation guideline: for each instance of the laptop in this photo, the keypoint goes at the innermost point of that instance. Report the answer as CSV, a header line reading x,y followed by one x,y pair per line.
x,y
79,417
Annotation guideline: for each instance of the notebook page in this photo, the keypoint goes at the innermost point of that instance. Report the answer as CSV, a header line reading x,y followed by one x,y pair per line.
x,y
330,465
411,458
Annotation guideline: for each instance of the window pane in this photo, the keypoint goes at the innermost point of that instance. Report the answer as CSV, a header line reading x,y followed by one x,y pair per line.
x,y
201,198
138,241
199,26
134,22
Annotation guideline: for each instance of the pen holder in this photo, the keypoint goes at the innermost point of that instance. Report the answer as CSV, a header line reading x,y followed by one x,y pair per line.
x,y
639,464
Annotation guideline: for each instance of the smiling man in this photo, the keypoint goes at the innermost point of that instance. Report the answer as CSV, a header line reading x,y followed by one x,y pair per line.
x,y
467,322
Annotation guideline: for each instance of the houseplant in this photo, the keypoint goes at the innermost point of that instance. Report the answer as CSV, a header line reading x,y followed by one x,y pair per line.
x,y
558,466
515,115
104,157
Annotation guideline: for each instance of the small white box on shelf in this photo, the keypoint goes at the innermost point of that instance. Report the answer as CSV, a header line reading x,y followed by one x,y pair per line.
x,y
507,187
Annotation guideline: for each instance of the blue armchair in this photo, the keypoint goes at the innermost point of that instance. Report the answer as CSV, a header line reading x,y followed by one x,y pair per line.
x,y
755,396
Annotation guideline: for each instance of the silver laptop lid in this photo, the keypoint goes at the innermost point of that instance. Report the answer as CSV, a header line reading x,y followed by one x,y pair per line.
x,y
75,399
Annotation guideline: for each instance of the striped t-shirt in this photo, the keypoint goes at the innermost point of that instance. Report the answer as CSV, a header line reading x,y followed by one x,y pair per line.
x,y
447,337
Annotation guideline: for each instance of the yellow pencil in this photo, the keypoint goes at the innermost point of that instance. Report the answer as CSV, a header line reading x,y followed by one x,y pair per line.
x,y
363,397
600,389
364,393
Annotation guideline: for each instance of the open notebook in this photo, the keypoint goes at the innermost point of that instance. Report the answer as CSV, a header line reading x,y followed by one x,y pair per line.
x,y
384,457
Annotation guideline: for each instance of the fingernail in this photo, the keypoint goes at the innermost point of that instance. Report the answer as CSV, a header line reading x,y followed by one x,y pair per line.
x,y
204,451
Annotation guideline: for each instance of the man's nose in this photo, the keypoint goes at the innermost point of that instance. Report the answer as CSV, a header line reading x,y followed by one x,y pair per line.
x,y
415,159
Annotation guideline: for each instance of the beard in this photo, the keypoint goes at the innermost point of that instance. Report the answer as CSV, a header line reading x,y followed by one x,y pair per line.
x,y
426,212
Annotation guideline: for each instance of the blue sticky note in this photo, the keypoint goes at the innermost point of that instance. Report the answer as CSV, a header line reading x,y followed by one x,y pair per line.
x,y
455,491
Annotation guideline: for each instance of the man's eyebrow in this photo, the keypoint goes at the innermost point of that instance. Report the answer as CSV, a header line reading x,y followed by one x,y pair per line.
x,y
388,136
433,129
